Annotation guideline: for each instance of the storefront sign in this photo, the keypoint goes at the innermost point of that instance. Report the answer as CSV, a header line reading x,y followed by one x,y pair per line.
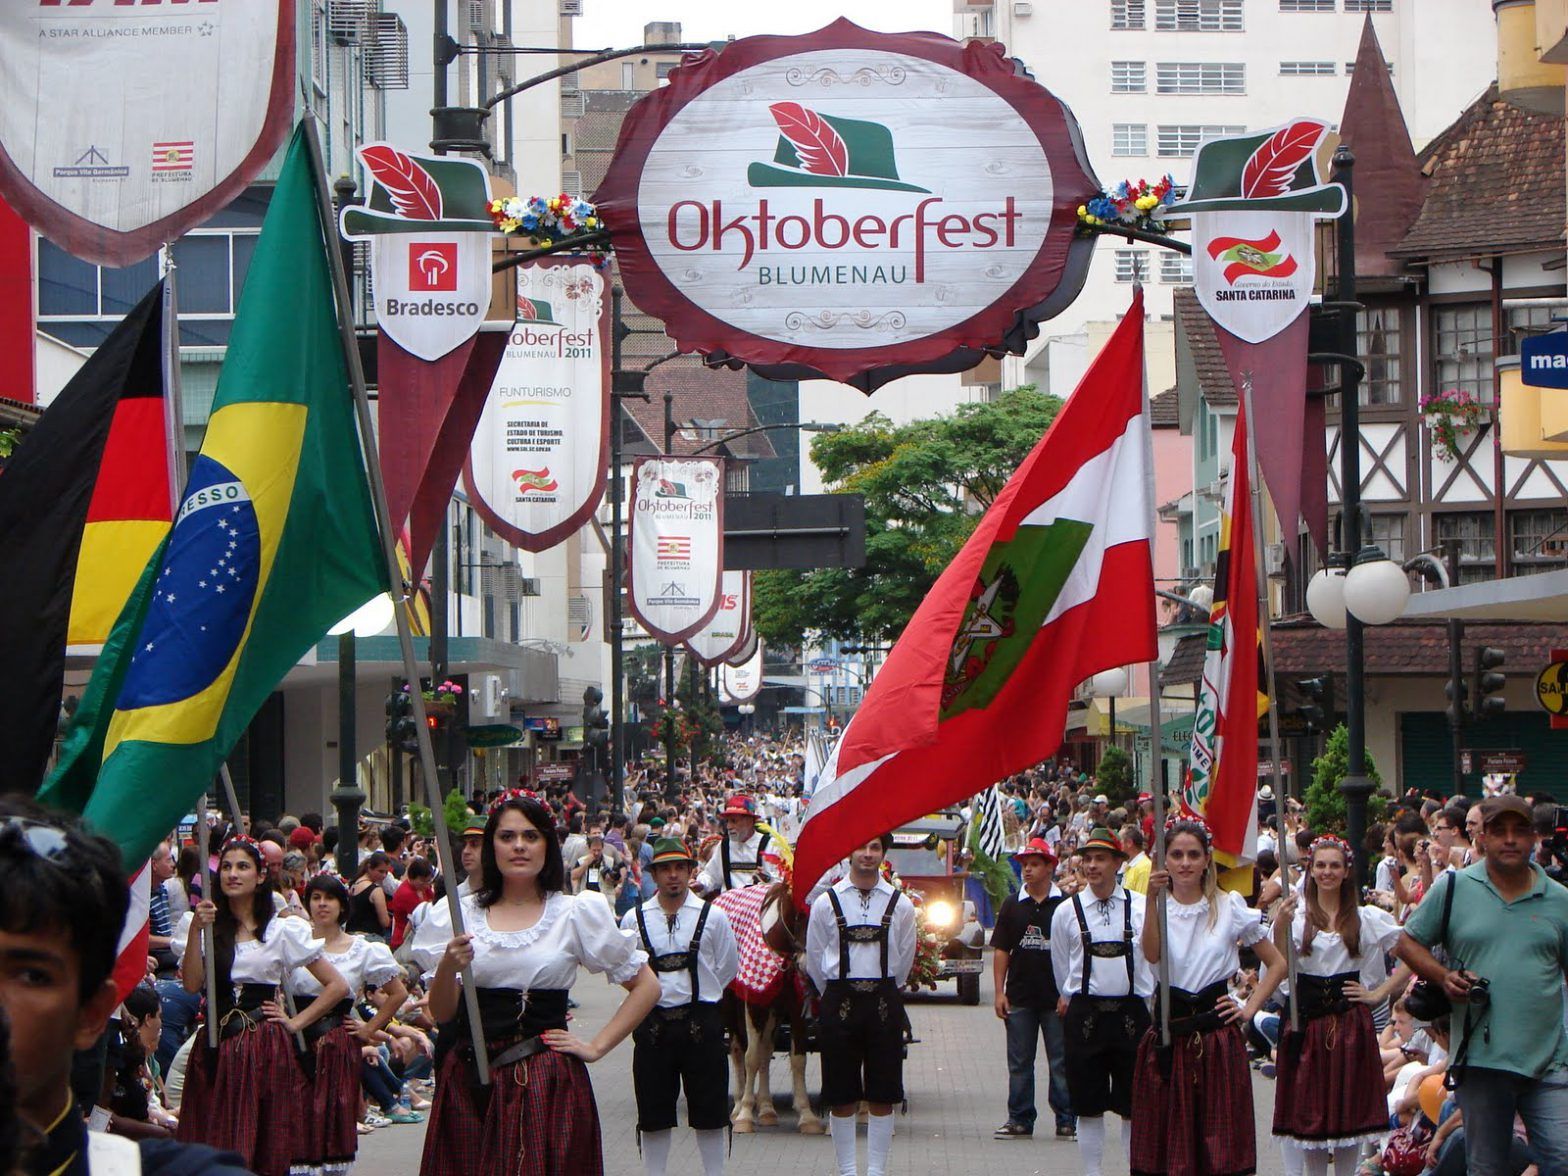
x,y
1543,360
677,544
1508,762
1551,689
848,201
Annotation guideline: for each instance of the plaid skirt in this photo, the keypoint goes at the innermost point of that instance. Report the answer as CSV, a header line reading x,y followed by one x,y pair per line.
x,y
536,1118
1195,1119
252,1098
1329,1092
334,1122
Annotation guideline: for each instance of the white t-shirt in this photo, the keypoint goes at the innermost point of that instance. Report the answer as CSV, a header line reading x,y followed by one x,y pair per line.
x,y
365,962
285,944
1201,955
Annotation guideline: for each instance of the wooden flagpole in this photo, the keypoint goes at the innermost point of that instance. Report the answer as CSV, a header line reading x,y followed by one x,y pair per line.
x,y
378,491
1266,640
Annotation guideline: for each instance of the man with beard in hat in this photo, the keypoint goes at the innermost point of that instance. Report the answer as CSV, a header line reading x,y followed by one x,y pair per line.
x,y
740,859
691,949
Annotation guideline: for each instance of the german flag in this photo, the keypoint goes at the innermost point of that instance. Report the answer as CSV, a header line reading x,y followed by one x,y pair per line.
x,y
83,502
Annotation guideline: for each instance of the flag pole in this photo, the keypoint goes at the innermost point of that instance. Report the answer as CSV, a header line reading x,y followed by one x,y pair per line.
x,y
1266,640
378,491
1156,732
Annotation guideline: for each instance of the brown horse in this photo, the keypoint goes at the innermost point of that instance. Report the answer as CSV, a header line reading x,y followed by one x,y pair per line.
x,y
768,930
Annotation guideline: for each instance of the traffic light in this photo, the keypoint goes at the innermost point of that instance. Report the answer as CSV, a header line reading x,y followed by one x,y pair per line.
x,y
1318,710
1485,692
596,723
400,721
1458,707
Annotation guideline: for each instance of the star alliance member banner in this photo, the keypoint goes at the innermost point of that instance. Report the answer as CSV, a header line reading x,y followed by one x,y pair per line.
x,y
677,544
536,469
124,125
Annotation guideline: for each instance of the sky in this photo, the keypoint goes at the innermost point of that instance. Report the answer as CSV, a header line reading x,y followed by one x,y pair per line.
x,y
619,23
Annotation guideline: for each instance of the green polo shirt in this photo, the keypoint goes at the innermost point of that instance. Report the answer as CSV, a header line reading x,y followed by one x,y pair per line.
x,y
1522,948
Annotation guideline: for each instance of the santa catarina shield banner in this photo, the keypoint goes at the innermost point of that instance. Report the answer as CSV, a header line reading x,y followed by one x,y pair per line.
x,y
724,634
677,544
123,125
537,466
849,201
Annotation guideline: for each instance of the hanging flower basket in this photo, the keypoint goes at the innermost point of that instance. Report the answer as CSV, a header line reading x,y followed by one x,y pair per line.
x,y
1449,414
1140,205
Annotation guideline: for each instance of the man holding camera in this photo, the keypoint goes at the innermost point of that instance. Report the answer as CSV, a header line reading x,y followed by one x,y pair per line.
x,y
1506,937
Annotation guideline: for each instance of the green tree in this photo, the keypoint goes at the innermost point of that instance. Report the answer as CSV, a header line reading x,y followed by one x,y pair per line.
x,y
925,485
1113,776
1325,802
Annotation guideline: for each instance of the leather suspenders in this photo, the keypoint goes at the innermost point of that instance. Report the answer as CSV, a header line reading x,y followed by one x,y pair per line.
x,y
1089,941
677,960
863,933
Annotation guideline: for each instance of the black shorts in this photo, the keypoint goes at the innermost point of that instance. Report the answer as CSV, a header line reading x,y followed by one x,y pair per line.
x,y
861,1036
1102,1039
684,1050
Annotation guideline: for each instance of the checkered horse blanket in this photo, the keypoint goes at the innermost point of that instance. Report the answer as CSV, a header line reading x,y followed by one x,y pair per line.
x,y
761,973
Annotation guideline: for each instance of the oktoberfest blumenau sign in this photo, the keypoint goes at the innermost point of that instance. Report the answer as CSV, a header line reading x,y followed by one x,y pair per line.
x,y
677,544
848,201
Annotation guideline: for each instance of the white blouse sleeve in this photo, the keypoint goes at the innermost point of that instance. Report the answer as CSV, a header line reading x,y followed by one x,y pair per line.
x,y
380,967
431,938
1246,923
1378,930
602,946
182,933
296,945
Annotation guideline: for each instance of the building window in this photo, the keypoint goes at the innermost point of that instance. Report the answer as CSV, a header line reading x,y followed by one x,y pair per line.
x,y
1350,68
1388,532
1130,139
1181,140
1524,321
1537,540
1476,532
1200,77
1464,355
1369,5
1307,69
1132,265
1128,77
1175,268
1198,16
663,68
1378,339
1306,5
1127,14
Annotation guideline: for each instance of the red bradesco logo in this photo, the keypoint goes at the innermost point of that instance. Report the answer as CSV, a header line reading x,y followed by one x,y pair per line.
x,y
850,204
432,267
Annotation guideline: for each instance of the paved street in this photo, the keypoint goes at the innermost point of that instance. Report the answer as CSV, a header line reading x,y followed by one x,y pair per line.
x,y
956,1080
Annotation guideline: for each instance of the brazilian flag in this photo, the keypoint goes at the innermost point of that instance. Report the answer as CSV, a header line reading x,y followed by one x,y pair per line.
x,y
274,542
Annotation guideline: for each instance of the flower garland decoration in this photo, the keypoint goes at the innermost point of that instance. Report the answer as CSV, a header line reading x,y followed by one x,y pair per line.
x,y
1448,414
444,695
548,221
1140,205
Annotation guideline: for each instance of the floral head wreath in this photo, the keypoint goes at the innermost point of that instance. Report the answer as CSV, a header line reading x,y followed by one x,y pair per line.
x,y
241,839
1329,841
1194,823
510,795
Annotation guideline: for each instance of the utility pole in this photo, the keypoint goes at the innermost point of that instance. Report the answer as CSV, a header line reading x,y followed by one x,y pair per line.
x,y
671,792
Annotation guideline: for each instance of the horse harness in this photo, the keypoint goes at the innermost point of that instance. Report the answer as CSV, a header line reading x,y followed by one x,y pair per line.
x,y
749,868
877,933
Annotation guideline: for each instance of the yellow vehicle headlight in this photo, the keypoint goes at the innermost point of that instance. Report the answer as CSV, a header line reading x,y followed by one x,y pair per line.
x,y
941,914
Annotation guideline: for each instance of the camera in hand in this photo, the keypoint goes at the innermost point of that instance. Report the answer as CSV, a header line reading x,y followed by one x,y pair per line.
x,y
1554,849
1480,992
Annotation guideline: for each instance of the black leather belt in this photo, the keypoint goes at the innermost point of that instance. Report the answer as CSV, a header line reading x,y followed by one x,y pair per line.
x,y
1102,1004
864,985
519,1051
1198,1012
1323,996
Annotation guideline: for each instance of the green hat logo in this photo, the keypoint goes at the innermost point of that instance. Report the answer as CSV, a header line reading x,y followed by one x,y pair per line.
x,y
536,310
420,194
1274,169
824,151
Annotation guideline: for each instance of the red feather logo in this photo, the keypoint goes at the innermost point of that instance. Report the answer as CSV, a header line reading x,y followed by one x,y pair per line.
x,y
1273,165
414,192
822,152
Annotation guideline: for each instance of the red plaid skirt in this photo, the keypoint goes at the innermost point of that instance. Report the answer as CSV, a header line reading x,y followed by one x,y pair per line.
x,y
1198,1120
253,1101
1330,1086
536,1118
334,1134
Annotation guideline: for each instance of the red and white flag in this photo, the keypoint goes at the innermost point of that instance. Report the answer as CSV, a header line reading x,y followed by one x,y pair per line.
x,y
130,961
1055,585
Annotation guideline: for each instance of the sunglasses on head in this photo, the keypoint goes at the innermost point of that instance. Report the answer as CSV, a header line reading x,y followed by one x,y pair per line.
x,y
36,838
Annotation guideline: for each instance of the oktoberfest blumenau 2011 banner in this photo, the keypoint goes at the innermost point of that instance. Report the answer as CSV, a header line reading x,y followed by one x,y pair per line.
x,y
677,544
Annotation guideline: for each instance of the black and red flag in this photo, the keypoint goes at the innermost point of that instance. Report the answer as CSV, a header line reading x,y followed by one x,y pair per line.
x,y
83,502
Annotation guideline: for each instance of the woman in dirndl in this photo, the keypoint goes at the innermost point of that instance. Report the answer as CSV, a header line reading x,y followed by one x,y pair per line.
x,y
335,1041
1329,1097
1192,1100
246,1096
524,940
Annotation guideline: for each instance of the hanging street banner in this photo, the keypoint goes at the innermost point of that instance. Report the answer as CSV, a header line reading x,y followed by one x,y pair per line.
x,y
723,636
849,204
123,125
536,469
428,224
677,544
748,646
742,683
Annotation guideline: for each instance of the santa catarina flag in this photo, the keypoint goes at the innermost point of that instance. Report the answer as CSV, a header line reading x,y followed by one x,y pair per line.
x,y
274,542
1222,785
1055,585
83,503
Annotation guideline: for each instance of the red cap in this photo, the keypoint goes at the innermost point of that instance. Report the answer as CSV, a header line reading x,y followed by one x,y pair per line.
x,y
302,838
739,806
1037,846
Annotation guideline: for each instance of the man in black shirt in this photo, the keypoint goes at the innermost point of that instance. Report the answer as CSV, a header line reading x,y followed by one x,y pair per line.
x,y
1026,993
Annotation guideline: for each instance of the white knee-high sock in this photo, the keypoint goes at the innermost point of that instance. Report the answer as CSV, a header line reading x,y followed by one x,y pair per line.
x,y
879,1141
1091,1143
655,1152
1346,1159
710,1146
842,1128
1127,1140
1314,1161
1291,1153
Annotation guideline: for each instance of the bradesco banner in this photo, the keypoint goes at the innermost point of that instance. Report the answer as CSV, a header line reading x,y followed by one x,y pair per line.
x,y
722,637
123,125
677,544
536,469
428,223
847,203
